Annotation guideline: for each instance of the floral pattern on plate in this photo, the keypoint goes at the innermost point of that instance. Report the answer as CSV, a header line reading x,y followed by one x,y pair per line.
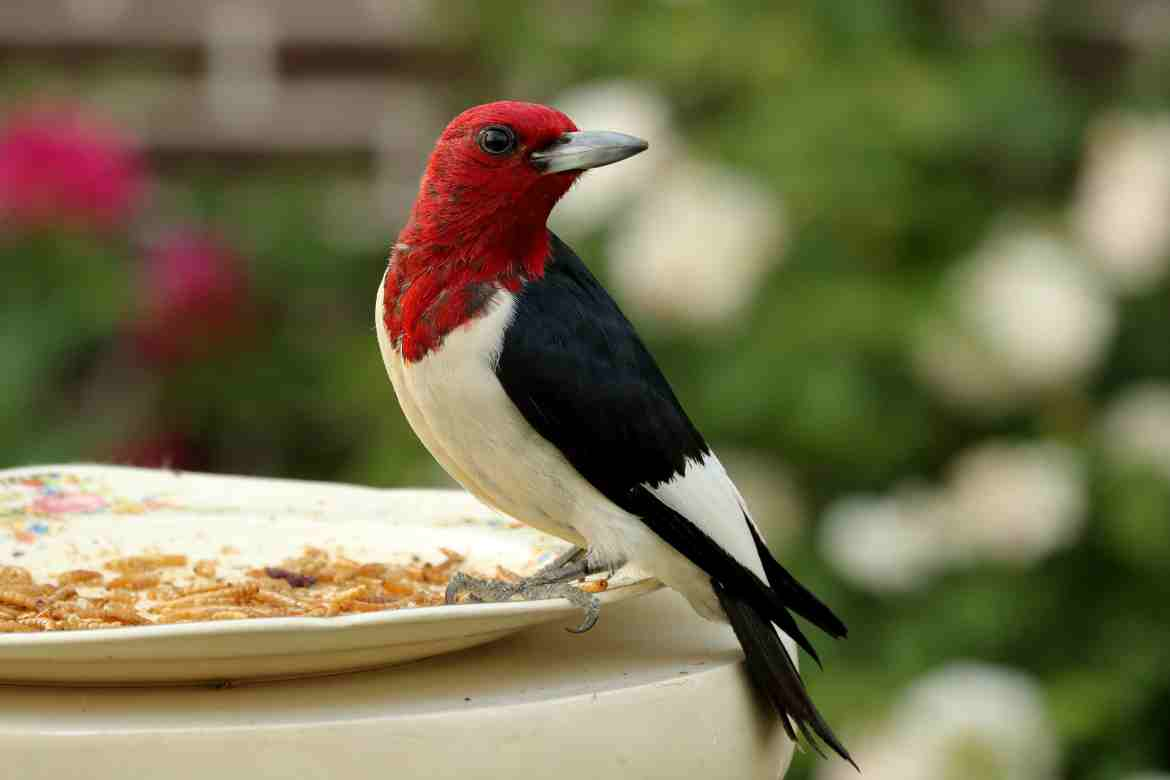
x,y
32,505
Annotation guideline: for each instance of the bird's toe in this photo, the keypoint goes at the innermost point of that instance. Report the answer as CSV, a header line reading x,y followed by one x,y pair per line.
x,y
477,589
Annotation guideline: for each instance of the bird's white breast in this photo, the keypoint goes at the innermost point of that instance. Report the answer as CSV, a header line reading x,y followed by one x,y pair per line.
x,y
461,413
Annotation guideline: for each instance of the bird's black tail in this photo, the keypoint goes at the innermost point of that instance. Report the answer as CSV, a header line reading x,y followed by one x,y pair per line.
x,y
773,672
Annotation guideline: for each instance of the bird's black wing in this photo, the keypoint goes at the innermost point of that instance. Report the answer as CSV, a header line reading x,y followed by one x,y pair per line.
x,y
579,374
573,365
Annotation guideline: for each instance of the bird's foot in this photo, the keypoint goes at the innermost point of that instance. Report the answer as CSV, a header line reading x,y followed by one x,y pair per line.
x,y
527,590
571,555
553,581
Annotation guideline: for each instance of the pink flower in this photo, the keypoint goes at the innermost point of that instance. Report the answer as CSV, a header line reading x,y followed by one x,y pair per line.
x,y
61,167
63,504
194,298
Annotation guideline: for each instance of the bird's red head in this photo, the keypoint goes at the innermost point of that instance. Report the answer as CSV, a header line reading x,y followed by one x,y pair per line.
x,y
482,199
494,176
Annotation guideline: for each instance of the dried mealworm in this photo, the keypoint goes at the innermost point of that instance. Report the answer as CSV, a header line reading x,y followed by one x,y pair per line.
x,y
16,599
80,577
144,563
15,575
12,627
134,582
230,614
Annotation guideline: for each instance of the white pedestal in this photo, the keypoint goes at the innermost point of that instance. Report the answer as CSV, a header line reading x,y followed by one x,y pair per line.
x,y
652,692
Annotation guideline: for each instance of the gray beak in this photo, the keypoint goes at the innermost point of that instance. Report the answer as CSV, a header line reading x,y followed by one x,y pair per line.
x,y
584,150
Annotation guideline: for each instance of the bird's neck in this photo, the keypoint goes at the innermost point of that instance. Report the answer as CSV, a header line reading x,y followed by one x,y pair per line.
x,y
444,273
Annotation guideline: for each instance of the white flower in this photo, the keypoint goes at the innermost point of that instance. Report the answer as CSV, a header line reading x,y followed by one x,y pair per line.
x,y
627,107
977,720
1135,427
880,757
1025,318
965,720
1124,198
1015,502
1041,317
886,544
696,247
961,371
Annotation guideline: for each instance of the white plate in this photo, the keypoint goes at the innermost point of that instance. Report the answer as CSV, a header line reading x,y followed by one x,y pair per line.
x,y
56,518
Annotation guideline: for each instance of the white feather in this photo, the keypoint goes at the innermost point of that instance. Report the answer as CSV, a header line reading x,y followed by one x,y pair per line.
x,y
706,496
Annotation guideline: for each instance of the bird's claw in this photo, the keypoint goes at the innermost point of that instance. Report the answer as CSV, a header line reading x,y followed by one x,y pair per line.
x,y
592,608
477,589
527,590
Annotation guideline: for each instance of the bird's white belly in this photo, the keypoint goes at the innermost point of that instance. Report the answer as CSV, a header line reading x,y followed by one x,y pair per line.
x,y
459,410
462,415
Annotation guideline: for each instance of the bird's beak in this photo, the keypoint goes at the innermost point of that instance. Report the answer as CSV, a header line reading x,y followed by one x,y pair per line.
x,y
588,149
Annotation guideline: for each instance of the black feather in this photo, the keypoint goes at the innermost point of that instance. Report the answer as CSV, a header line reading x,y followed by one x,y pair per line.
x,y
704,552
773,672
795,596
577,371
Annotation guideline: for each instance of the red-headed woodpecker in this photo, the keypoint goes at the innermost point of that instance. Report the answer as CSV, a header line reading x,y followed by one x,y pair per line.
x,y
527,383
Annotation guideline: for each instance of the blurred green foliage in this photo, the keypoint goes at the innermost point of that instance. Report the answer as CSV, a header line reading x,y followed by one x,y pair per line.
x,y
896,134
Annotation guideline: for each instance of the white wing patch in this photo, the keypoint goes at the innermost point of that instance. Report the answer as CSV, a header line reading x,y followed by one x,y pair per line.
x,y
707,497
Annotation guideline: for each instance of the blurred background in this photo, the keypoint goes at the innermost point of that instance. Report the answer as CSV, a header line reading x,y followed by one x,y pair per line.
x,y
905,262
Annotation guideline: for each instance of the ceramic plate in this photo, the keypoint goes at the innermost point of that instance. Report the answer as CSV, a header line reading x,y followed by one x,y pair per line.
x,y
58,518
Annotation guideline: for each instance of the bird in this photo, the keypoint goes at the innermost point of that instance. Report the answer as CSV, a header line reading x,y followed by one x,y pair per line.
x,y
523,378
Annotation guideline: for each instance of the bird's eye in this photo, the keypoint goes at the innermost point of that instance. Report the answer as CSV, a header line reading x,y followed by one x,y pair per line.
x,y
497,139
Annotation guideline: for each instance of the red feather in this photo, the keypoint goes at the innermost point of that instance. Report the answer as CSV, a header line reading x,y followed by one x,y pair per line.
x,y
478,224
